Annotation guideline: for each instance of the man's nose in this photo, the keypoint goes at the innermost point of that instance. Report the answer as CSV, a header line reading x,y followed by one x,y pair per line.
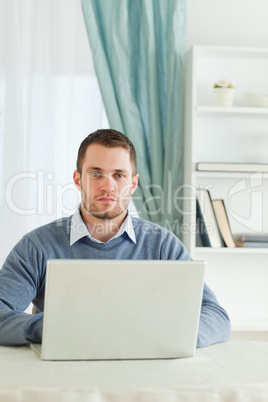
x,y
107,184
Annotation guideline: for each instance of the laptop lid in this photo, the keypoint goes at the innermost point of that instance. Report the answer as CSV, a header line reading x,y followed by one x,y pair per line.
x,y
121,309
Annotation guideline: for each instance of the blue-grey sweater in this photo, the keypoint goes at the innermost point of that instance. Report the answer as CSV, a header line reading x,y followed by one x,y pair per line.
x,y
22,277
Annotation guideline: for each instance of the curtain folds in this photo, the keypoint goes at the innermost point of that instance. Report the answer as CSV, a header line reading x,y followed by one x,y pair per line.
x,y
138,52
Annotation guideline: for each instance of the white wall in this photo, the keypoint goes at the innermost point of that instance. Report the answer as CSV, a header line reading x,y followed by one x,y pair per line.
x,y
227,23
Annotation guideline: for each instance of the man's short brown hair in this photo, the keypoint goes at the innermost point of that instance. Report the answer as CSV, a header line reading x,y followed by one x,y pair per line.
x,y
108,138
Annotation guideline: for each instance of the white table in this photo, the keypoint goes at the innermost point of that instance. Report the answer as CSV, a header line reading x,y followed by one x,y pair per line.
x,y
229,372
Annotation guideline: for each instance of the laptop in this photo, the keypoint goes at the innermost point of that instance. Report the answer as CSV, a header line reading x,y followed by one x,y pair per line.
x,y
121,309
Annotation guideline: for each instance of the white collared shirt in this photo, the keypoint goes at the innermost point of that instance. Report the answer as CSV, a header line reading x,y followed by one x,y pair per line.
x,y
79,230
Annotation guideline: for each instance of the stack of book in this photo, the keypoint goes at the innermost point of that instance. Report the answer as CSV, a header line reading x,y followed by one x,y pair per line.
x,y
253,240
213,227
231,167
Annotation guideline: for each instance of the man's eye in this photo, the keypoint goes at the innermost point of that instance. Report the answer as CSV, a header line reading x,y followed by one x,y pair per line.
x,y
119,176
94,174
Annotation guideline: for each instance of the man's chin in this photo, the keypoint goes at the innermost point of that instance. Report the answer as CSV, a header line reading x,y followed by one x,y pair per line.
x,y
106,215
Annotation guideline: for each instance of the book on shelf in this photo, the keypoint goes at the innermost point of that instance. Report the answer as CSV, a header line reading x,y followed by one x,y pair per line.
x,y
223,222
231,167
207,227
256,237
254,244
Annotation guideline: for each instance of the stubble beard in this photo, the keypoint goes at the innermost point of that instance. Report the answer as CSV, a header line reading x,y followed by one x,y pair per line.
x,y
111,212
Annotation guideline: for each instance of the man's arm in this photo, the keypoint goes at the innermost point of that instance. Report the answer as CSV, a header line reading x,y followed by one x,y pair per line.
x,y
214,325
19,285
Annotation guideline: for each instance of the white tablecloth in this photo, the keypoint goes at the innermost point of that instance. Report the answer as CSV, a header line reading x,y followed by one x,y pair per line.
x,y
229,372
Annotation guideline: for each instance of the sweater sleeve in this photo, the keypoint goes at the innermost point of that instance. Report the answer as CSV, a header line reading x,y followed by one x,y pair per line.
x,y
20,280
214,324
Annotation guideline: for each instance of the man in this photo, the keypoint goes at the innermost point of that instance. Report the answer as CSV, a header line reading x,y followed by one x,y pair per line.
x,y
100,228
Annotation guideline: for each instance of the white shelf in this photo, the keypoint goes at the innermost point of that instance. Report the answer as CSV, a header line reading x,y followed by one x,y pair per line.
x,y
230,51
232,110
238,134
231,250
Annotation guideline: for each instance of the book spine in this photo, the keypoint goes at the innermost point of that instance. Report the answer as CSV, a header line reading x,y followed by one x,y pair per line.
x,y
201,227
216,221
253,244
230,167
253,237
210,236
223,222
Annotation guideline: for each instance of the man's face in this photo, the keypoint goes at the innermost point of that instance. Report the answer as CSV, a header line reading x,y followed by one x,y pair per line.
x,y
106,182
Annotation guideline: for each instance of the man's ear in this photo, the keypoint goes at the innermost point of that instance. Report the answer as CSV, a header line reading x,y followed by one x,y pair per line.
x,y
76,178
134,183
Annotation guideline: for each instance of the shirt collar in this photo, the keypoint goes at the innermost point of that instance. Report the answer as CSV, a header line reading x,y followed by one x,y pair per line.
x,y
79,230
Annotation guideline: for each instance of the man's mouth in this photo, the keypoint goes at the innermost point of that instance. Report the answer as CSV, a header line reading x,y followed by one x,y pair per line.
x,y
106,199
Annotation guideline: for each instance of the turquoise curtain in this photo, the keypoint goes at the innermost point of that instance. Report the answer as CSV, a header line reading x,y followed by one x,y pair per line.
x,y
138,48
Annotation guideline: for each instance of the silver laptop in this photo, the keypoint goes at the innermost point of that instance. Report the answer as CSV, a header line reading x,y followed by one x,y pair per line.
x,y
121,309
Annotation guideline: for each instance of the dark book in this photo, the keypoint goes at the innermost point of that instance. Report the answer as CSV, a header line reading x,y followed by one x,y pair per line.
x,y
207,227
223,223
